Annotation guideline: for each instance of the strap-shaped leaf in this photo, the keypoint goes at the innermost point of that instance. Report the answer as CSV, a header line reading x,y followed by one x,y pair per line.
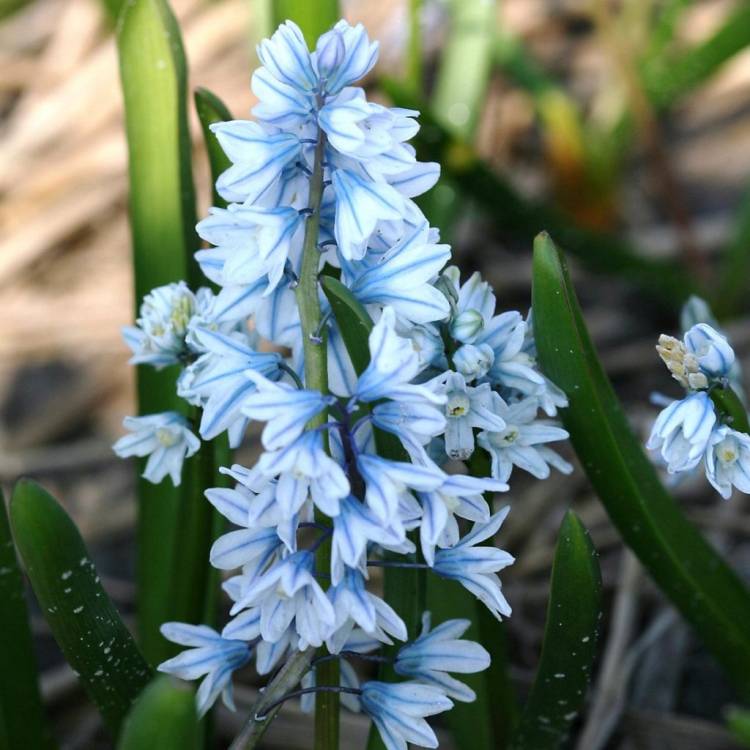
x,y
22,722
570,640
163,717
354,322
313,16
211,109
700,584
162,215
82,618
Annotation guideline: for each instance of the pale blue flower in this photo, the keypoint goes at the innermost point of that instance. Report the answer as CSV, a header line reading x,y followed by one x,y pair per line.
x,y
398,711
343,55
258,159
728,461
467,408
221,383
243,547
165,438
465,326
355,606
285,409
386,481
401,278
210,655
711,349
436,652
393,365
354,528
475,566
303,469
523,441
288,592
473,362
459,496
360,204
682,431
158,338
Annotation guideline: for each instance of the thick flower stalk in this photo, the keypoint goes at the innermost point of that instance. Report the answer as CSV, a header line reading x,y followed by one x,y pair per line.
x,y
708,426
322,181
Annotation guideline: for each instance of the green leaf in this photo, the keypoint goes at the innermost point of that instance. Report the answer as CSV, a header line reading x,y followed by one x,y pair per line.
x,y
314,17
738,721
470,724
82,618
162,214
700,584
461,85
22,720
521,218
570,640
729,405
163,717
354,322
211,109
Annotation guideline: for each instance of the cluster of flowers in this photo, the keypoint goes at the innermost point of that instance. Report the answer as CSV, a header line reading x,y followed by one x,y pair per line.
x,y
445,373
693,430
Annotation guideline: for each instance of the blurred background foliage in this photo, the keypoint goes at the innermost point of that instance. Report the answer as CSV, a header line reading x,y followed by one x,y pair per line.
x,y
622,128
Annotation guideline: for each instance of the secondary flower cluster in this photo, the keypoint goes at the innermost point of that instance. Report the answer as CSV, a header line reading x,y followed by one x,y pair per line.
x,y
370,482
693,430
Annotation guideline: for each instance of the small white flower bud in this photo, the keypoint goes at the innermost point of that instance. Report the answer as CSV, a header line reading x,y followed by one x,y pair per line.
x,y
466,326
473,361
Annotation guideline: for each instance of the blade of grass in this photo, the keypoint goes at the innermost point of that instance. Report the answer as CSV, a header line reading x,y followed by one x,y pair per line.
x,y
700,584
162,213
85,623
22,720
571,635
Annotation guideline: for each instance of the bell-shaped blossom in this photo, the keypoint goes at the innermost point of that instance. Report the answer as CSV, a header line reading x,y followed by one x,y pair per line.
x,y
401,278
467,408
711,349
209,654
284,409
288,593
437,652
387,480
458,496
473,362
728,461
221,382
523,441
165,438
303,468
398,711
360,204
475,566
344,55
682,432
258,159
355,606
158,338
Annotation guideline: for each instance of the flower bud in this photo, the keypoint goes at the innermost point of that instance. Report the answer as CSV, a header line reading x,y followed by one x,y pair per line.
x,y
473,361
330,52
711,350
466,326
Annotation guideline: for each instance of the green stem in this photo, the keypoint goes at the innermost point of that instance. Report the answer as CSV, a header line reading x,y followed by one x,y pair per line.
x,y
316,377
729,404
